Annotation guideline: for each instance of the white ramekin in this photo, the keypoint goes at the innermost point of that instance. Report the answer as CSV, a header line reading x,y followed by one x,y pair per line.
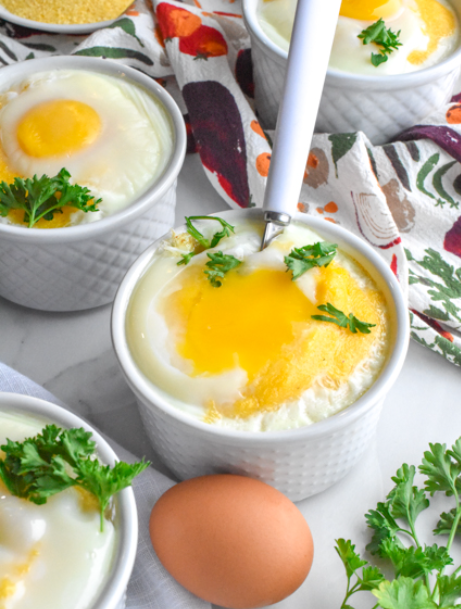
x,y
80,267
113,594
299,462
380,106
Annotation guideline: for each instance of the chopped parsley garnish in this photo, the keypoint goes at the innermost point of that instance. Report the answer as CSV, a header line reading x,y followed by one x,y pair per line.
x,y
302,259
218,265
341,319
43,197
57,459
203,241
383,37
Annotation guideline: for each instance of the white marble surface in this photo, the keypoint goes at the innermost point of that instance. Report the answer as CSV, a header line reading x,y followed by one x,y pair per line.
x,y
71,355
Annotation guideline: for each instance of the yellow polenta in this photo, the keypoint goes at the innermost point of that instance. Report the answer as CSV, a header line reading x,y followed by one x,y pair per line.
x,y
70,13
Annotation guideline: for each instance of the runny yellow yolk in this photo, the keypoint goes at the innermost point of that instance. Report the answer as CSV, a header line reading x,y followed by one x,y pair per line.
x,y
262,323
438,23
58,128
370,10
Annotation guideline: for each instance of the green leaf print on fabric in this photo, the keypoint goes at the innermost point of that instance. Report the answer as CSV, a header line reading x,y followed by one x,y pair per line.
x,y
127,26
424,172
39,46
437,184
444,292
115,53
341,143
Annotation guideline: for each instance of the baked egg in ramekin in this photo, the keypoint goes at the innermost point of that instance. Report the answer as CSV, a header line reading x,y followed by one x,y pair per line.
x,y
415,79
276,396
55,554
121,136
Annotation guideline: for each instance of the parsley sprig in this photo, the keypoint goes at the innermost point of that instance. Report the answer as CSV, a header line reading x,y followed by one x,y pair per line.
x,y
335,316
302,259
383,37
57,459
218,265
205,244
43,197
419,569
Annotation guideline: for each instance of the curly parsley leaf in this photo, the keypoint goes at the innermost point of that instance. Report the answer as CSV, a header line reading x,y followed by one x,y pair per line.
x,y
383,37
204,243
43,197
302,259
57,459
341,319
218,265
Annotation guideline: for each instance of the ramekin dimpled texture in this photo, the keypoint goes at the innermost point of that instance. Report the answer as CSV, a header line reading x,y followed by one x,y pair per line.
x,y
80,274
296,467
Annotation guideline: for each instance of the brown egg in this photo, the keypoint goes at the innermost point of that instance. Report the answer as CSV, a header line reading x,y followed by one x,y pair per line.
x,y
232,540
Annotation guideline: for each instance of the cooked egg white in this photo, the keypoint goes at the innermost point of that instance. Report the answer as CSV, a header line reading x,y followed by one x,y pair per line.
x,y
52,556
248,355
429,32
111,135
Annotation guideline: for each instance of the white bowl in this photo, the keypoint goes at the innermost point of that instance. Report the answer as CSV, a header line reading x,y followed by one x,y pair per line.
x,y
56,28
80,267
112,596
380,106
298,462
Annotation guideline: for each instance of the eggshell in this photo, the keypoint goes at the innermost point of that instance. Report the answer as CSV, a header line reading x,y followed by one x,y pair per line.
x,y
232,540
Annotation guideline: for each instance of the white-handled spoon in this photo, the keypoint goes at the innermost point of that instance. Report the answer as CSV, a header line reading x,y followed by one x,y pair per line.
x,y
310,46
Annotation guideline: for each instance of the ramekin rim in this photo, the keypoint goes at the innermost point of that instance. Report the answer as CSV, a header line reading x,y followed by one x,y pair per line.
x,y
144,389
123,563
147,199
338,78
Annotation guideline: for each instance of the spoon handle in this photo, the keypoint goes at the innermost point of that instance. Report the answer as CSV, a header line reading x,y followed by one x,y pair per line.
x,y
310,47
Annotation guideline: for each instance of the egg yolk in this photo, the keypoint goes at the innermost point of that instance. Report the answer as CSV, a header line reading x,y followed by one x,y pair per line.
x,y
58,128
262,322
438,23
370,10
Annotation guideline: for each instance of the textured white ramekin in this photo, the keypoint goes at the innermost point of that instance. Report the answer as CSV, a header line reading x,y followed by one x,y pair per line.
x,y
380,106
80,267
113,594
299,462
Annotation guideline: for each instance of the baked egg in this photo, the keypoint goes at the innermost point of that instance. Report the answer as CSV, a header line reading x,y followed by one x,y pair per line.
x,y
249,355
51,555
428,32
112,136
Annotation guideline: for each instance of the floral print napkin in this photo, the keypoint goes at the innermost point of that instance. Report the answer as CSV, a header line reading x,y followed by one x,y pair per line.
x,y
403,197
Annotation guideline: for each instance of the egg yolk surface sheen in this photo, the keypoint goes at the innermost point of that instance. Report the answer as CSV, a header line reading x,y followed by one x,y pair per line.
x,y
58,128
262,322
370,10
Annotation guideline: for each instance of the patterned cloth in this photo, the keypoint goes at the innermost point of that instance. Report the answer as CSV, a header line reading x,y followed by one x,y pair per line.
x,y
403,197
150,586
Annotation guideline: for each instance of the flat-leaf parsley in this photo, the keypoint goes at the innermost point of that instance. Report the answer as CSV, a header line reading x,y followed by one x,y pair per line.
x,y
43,197
57,459
335,316
383,37
419,580
302,259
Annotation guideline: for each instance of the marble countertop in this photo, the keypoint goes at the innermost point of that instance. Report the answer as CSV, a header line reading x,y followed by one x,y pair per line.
x,y
71,356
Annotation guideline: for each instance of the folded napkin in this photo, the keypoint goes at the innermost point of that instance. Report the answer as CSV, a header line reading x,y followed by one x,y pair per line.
x,y
403,197
150,586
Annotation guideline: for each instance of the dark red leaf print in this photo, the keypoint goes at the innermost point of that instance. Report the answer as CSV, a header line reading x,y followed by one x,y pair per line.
x,y
218,131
